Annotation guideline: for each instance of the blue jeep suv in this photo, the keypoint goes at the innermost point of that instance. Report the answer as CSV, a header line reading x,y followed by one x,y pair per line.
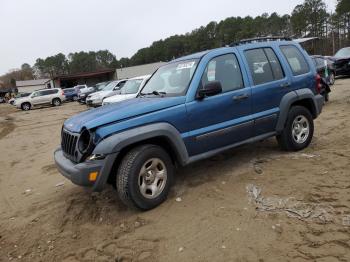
x,y
193,108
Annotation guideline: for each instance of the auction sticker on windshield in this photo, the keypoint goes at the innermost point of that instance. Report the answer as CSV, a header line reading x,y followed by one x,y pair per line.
x,y
185,65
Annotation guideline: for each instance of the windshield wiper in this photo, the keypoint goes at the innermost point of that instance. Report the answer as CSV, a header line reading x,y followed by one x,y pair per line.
x,y
155,92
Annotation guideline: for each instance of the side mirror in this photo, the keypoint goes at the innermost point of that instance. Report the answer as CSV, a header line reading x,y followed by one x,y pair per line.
x,y
210,89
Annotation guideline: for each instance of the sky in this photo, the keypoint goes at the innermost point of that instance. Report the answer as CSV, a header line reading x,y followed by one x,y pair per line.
x,y
31,29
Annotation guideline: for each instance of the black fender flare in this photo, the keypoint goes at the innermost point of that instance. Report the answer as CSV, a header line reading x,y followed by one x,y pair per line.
x,y
116,142
294,96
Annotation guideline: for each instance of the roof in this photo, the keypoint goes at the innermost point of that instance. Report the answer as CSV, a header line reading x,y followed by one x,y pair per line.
x,y
306,39
193,56
85,74
36,82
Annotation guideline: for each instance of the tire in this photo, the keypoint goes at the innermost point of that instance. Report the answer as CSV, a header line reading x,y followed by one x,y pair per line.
x,y
332,78
75,98
56,102
134,186
26,106
298,130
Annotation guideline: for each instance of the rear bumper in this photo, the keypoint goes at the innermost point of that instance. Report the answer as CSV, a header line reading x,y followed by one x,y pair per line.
x,y
79,173
319,102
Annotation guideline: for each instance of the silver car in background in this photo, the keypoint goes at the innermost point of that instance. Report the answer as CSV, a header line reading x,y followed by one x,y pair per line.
x,y
113,88
52,96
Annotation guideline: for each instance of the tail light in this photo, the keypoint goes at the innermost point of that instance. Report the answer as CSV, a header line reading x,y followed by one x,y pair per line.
x,y
318,84
62,92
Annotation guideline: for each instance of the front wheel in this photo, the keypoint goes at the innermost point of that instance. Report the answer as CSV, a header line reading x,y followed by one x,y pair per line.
x,y
25,106
144,177
298,131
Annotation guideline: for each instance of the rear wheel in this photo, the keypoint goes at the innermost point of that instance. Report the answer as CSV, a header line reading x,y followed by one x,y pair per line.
x,y
26,106
144,177
298,131
56,102
75,98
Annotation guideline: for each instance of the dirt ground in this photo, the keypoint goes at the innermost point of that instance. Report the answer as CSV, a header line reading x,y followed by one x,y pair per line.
x,y
253,203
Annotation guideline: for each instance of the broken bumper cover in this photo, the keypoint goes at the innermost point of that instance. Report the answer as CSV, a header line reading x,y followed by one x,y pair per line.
x,y
319,103
79,173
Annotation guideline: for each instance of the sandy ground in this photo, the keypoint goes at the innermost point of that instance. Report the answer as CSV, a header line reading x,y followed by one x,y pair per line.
x,y
253,203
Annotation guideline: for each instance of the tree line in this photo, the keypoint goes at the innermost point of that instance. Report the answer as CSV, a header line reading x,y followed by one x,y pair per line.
x,y
310,19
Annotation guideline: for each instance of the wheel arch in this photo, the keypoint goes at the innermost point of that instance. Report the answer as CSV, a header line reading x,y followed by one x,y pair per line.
x,y
55,99
161,134
27,102
302,97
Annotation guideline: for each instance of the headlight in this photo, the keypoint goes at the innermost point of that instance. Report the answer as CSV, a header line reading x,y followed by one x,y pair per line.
x,y
85,143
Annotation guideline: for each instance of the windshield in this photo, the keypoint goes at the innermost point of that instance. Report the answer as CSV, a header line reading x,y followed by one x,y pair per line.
x,y
172,79
110,86
100,86
344,52
131,86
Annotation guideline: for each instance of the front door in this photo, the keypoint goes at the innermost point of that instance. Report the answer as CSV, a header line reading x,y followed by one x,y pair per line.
x,y
37,98
223,119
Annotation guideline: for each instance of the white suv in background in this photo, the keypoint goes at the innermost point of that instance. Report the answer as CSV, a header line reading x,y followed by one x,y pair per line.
x,y
114,87
53,96
130,90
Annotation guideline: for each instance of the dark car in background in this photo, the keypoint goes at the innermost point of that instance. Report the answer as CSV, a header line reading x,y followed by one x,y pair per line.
x,y
71,94
342,61
325,68
98,87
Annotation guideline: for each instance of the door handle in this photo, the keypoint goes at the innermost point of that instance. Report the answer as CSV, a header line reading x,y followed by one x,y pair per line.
x,y
240,97
287,84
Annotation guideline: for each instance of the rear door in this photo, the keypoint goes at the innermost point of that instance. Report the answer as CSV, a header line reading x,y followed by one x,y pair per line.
x,y
269,84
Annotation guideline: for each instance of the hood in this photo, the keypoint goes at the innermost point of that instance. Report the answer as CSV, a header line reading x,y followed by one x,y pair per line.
x,y
100,93
118,98
119,111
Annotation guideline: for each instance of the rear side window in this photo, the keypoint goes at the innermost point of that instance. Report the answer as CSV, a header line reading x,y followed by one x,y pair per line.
x,y
225,69
264,65
295,59
44,92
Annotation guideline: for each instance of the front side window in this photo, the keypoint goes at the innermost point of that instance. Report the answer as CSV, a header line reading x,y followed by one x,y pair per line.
x,y
172,79
226,70
295,59
45,92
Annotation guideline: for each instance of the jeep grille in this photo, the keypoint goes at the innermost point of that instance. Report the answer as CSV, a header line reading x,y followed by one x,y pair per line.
x,y
68,144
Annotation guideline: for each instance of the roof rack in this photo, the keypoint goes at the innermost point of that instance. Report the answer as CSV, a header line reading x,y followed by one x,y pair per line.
x,y
260,39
